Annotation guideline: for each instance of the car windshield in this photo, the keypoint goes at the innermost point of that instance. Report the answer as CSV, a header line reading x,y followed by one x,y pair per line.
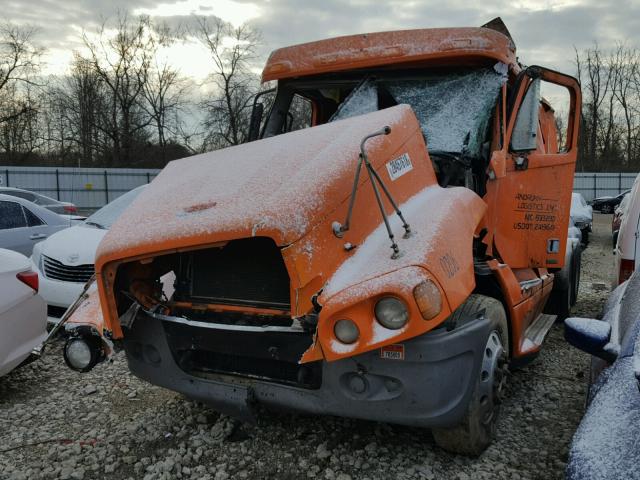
x,y
107,215
453,107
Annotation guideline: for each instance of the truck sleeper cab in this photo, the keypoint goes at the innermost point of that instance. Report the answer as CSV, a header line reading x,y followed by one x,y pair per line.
x,y
382,252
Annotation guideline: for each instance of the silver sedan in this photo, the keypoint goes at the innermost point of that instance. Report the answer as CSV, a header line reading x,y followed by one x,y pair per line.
x,y
23,224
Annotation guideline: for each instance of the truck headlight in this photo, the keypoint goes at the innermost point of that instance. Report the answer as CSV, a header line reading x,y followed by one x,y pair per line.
x,y
428,298
346,331
82,353
391,313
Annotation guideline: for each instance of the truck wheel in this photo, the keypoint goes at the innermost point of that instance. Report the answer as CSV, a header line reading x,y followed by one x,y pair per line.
x,y
575,284
559,302
585,237
474,434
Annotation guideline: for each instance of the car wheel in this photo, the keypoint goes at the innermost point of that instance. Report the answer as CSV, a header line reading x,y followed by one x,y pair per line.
x,y
477,428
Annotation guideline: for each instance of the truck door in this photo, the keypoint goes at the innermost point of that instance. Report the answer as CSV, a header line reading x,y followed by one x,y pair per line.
x,y
531,177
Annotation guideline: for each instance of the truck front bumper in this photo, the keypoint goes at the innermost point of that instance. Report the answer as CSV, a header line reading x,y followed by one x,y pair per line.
x,y
430,387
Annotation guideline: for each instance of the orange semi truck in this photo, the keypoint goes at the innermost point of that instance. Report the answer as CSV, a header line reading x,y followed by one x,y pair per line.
x,y
383,250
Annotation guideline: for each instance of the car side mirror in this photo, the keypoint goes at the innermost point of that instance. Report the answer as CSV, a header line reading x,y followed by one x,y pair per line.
x,y
591,336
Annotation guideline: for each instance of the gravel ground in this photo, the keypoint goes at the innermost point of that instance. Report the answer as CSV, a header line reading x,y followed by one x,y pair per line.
x,y
55,423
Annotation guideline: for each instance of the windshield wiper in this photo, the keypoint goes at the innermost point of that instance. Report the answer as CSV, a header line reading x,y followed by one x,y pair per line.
x,y
95,224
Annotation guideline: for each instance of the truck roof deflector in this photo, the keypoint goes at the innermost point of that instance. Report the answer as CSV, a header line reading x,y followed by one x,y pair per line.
x,y
339,229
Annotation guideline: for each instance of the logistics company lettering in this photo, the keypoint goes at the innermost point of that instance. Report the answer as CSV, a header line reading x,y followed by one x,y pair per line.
x,y
539,213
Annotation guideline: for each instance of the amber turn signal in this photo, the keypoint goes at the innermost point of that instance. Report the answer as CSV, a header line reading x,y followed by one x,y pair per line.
x,y
428,298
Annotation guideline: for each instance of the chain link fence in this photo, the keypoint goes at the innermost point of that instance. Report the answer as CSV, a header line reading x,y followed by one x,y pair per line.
x,y
91,188
594,185
88,188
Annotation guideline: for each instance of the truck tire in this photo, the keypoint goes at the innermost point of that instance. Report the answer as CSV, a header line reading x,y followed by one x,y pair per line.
x,y
575,284
585,236
560,300
476,430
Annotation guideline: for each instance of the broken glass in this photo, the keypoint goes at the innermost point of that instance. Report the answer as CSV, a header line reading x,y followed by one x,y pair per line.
x,y
363,99
453,109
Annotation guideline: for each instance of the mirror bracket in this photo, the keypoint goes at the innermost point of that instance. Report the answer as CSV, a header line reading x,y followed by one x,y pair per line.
x,y
522,162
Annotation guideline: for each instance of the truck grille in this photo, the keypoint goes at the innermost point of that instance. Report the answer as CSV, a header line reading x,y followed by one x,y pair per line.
x,y
248,272
56,270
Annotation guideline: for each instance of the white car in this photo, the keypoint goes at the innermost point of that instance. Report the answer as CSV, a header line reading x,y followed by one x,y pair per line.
x,y
65,261
581,215
23,314
628,241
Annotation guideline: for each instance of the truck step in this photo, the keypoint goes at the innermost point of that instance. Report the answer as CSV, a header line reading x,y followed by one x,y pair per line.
x,y
535,333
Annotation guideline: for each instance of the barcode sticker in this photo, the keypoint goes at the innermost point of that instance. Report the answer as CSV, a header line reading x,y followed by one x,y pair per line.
x,y
399,166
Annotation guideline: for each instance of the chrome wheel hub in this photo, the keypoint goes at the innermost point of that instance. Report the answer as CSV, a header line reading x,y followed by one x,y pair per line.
x,y
493,375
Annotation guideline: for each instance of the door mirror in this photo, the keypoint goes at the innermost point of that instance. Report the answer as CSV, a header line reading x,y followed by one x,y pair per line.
x,y
257,112
256,121
525,131
591,336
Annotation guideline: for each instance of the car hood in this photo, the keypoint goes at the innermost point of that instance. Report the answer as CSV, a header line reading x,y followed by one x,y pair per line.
x,y
74,245
580,216
279,187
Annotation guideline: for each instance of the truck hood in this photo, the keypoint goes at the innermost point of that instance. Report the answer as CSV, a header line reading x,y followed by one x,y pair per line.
x,y
278,187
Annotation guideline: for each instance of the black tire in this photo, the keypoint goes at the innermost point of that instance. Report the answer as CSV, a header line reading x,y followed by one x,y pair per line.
x,y
585,236
559,302
575,284
477,428
615,239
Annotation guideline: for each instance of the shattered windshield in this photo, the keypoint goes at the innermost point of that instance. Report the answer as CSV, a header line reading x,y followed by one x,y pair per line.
x,y
453,109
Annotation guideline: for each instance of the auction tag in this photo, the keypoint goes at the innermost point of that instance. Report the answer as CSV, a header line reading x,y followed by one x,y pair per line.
x,y
392,352
399,166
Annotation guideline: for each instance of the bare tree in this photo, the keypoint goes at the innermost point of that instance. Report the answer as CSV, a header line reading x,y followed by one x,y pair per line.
x,y
232,49
597,87
164,93
627,65
122,62
19,61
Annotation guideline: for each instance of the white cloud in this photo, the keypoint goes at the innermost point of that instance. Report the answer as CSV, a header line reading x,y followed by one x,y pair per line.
x,y
230,11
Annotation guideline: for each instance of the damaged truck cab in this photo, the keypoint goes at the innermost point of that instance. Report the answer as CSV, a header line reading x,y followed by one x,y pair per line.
x,y
383,250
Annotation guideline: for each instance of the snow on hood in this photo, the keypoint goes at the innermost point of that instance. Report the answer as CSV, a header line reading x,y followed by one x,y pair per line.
x,y
278,187
78,240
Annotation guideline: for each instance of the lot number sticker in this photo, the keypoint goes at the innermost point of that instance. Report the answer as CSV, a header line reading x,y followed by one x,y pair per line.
x,y
399,166
392,352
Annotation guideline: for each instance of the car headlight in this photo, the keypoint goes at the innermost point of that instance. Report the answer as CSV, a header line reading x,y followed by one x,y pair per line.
x,y
428,298
36,258
346,331
391,313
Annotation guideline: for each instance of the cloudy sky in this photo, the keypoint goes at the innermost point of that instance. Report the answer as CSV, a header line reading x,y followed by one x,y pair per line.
x,y
545,31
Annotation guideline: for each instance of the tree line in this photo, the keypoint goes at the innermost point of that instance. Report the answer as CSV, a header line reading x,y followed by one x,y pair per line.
x,y
610,126
122,103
